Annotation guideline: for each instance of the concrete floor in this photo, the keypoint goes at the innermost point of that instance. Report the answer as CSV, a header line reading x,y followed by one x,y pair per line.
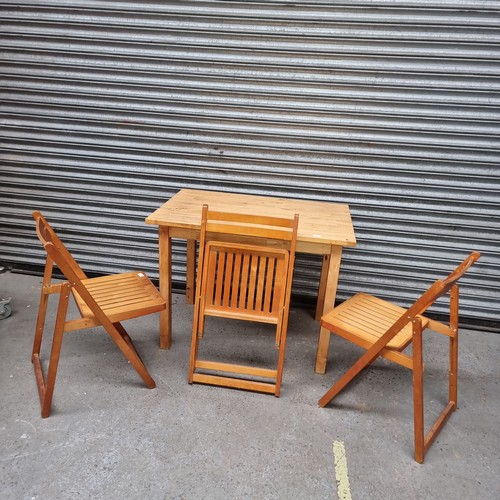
x,y
109,437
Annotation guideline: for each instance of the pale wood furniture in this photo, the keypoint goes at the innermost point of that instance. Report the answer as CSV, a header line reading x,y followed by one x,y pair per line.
x,y
249,282
385,329
324,229
103,301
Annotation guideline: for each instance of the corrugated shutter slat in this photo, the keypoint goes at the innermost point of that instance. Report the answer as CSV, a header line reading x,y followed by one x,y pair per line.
x,y
109,107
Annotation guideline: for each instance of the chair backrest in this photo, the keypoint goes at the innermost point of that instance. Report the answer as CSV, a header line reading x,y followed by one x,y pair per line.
x,y
442,287
438,289
247,225
58,253
455,275
56,250
249,280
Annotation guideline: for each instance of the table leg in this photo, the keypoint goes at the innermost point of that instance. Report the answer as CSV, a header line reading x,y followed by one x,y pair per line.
x,y
320,304
165,266
326,300
190,271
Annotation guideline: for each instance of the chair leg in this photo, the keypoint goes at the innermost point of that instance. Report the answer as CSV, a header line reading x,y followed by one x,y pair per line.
x,y
46,386
40,324
418,391
42,308
130,353
193,355
453,376
126,337
322,351
281,362
368,357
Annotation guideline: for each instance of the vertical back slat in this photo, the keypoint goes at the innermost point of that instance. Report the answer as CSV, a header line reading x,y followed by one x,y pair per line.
x,y
245,276
228,278
219,278
260,283
235,287
210,278
271,265
278,296
254,264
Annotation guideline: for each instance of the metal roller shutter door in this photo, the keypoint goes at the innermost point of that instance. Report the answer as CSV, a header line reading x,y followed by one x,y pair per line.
x,y
109,107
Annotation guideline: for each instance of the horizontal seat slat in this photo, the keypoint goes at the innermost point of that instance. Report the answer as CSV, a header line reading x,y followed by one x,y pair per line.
x,y
369,317
121,296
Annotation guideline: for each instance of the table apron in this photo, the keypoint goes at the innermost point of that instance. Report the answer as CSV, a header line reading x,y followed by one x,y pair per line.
x,y
319,248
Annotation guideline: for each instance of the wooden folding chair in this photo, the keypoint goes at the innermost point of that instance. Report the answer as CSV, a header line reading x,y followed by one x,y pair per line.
x,y
104,301
245,272
385,330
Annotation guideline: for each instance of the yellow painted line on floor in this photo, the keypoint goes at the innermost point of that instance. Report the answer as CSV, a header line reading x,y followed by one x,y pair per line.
x,y
341,473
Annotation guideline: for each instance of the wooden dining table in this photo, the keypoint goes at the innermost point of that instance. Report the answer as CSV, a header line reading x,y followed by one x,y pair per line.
x,y
324,229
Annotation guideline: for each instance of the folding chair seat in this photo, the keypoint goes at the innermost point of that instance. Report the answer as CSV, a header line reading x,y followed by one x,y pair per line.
x,y
104,301
245,270
385,329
